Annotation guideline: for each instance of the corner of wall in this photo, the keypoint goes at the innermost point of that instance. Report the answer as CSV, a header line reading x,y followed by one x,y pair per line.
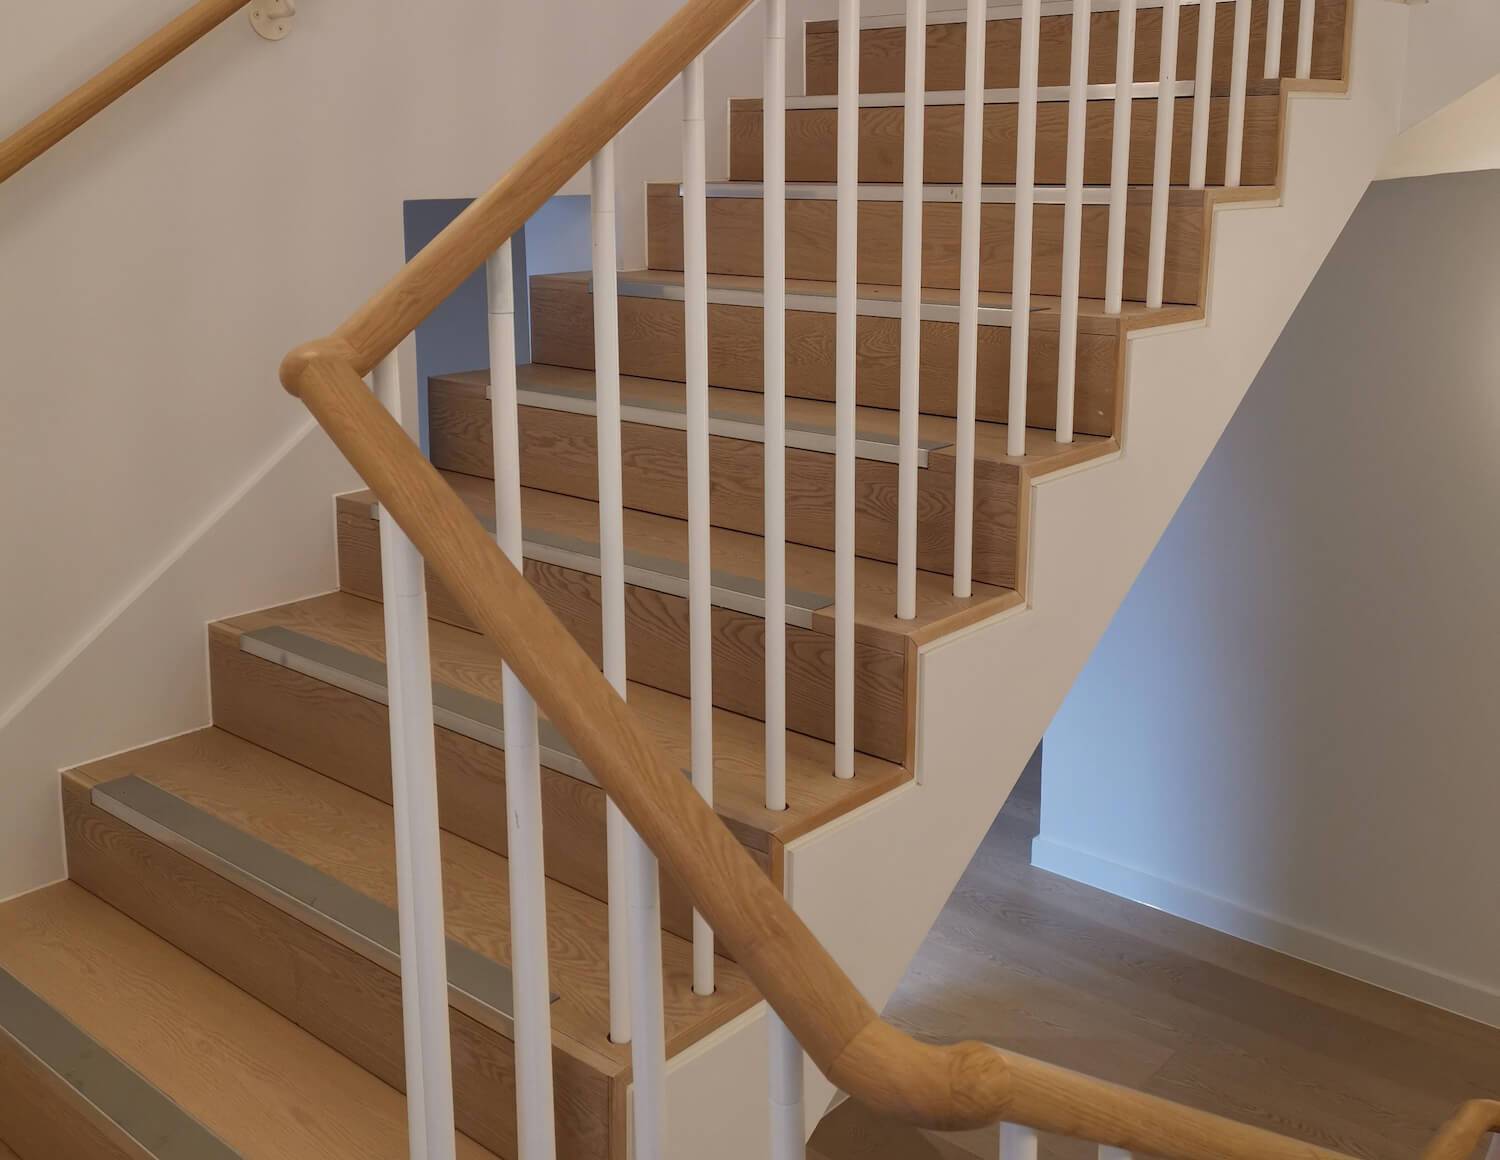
x,y
139,673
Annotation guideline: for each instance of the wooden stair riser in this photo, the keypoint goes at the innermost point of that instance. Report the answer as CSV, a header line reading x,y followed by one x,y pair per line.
x,y
812,142
656,628
651,346
882,50
735,243
558,454
348,1001
347,737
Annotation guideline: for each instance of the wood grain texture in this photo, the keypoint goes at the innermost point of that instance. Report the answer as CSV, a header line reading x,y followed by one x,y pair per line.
x,y
651,346
882,51
656,643
254,1079
1086,979
342,998
46,1118
812,151
735,245
374,330
103,89
463,660
346,737
559,449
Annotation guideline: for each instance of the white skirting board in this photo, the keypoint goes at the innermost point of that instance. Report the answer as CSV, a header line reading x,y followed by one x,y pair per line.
x,y
1465,997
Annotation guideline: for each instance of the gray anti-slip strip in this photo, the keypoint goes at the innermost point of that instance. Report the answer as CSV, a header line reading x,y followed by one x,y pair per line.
x,y
726,424
478,986
118,1093
810,303
475,717
745,594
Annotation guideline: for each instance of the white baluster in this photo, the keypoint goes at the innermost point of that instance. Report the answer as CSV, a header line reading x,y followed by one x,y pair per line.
x,y
1020,276
414,798
611,554
1108,1153
1493,1151
914,130
1306,11
773,384
1203,93
639,968
535,1125
968,301
1017,1142
1275,13
1119,165
844,399
1239,72
788,1122
1161,177
1067,328
700,556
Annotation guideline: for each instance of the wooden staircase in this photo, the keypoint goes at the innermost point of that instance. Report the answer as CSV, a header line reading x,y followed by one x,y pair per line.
x,y
243,966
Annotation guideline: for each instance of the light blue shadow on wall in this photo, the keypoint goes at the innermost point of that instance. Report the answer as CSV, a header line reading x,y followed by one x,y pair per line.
x,y
456,336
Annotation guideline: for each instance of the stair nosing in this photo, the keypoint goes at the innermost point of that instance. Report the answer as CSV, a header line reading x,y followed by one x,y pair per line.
x,y
479,986
959,15
939,193
726,425
1047,94
727,590
107,1084
812,303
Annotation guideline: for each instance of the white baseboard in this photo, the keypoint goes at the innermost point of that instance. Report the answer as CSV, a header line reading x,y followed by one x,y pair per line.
x,y
1466,997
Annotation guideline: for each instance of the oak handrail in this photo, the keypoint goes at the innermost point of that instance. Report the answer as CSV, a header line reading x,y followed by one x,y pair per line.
x,y
101,90
961,1086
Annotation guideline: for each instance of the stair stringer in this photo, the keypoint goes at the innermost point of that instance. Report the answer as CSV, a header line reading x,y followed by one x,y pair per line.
x,y
872,884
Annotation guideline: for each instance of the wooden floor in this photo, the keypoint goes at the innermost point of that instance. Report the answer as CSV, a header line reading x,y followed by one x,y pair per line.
x,y
1072,975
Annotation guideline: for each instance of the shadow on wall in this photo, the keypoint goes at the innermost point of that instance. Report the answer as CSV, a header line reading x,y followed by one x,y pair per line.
x,y
1288,731
456,336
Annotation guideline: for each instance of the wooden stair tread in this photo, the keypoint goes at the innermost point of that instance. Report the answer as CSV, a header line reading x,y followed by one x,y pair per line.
x,y
936,432
741,554
466,661
262,1085
1045,309
349,836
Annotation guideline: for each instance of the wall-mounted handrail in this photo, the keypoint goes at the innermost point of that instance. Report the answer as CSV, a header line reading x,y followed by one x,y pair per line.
x,y
100,91
962,1086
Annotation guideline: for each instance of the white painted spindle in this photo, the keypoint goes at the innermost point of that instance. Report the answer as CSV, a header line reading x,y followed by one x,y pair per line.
x,y
639,1011
1306,11
535,1130
1108,1153
1203,93
611,554
1017,1142
1275,14
773,386
1161,174
419,867
1067,329
788,1121
913,130
1493,1152
846,290
968,301
700,556
1239,74
1119,164
1020,276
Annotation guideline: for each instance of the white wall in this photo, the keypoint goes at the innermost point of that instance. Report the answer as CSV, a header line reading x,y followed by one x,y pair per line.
x,y
1457,138
155,266
1288,730
1452,46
